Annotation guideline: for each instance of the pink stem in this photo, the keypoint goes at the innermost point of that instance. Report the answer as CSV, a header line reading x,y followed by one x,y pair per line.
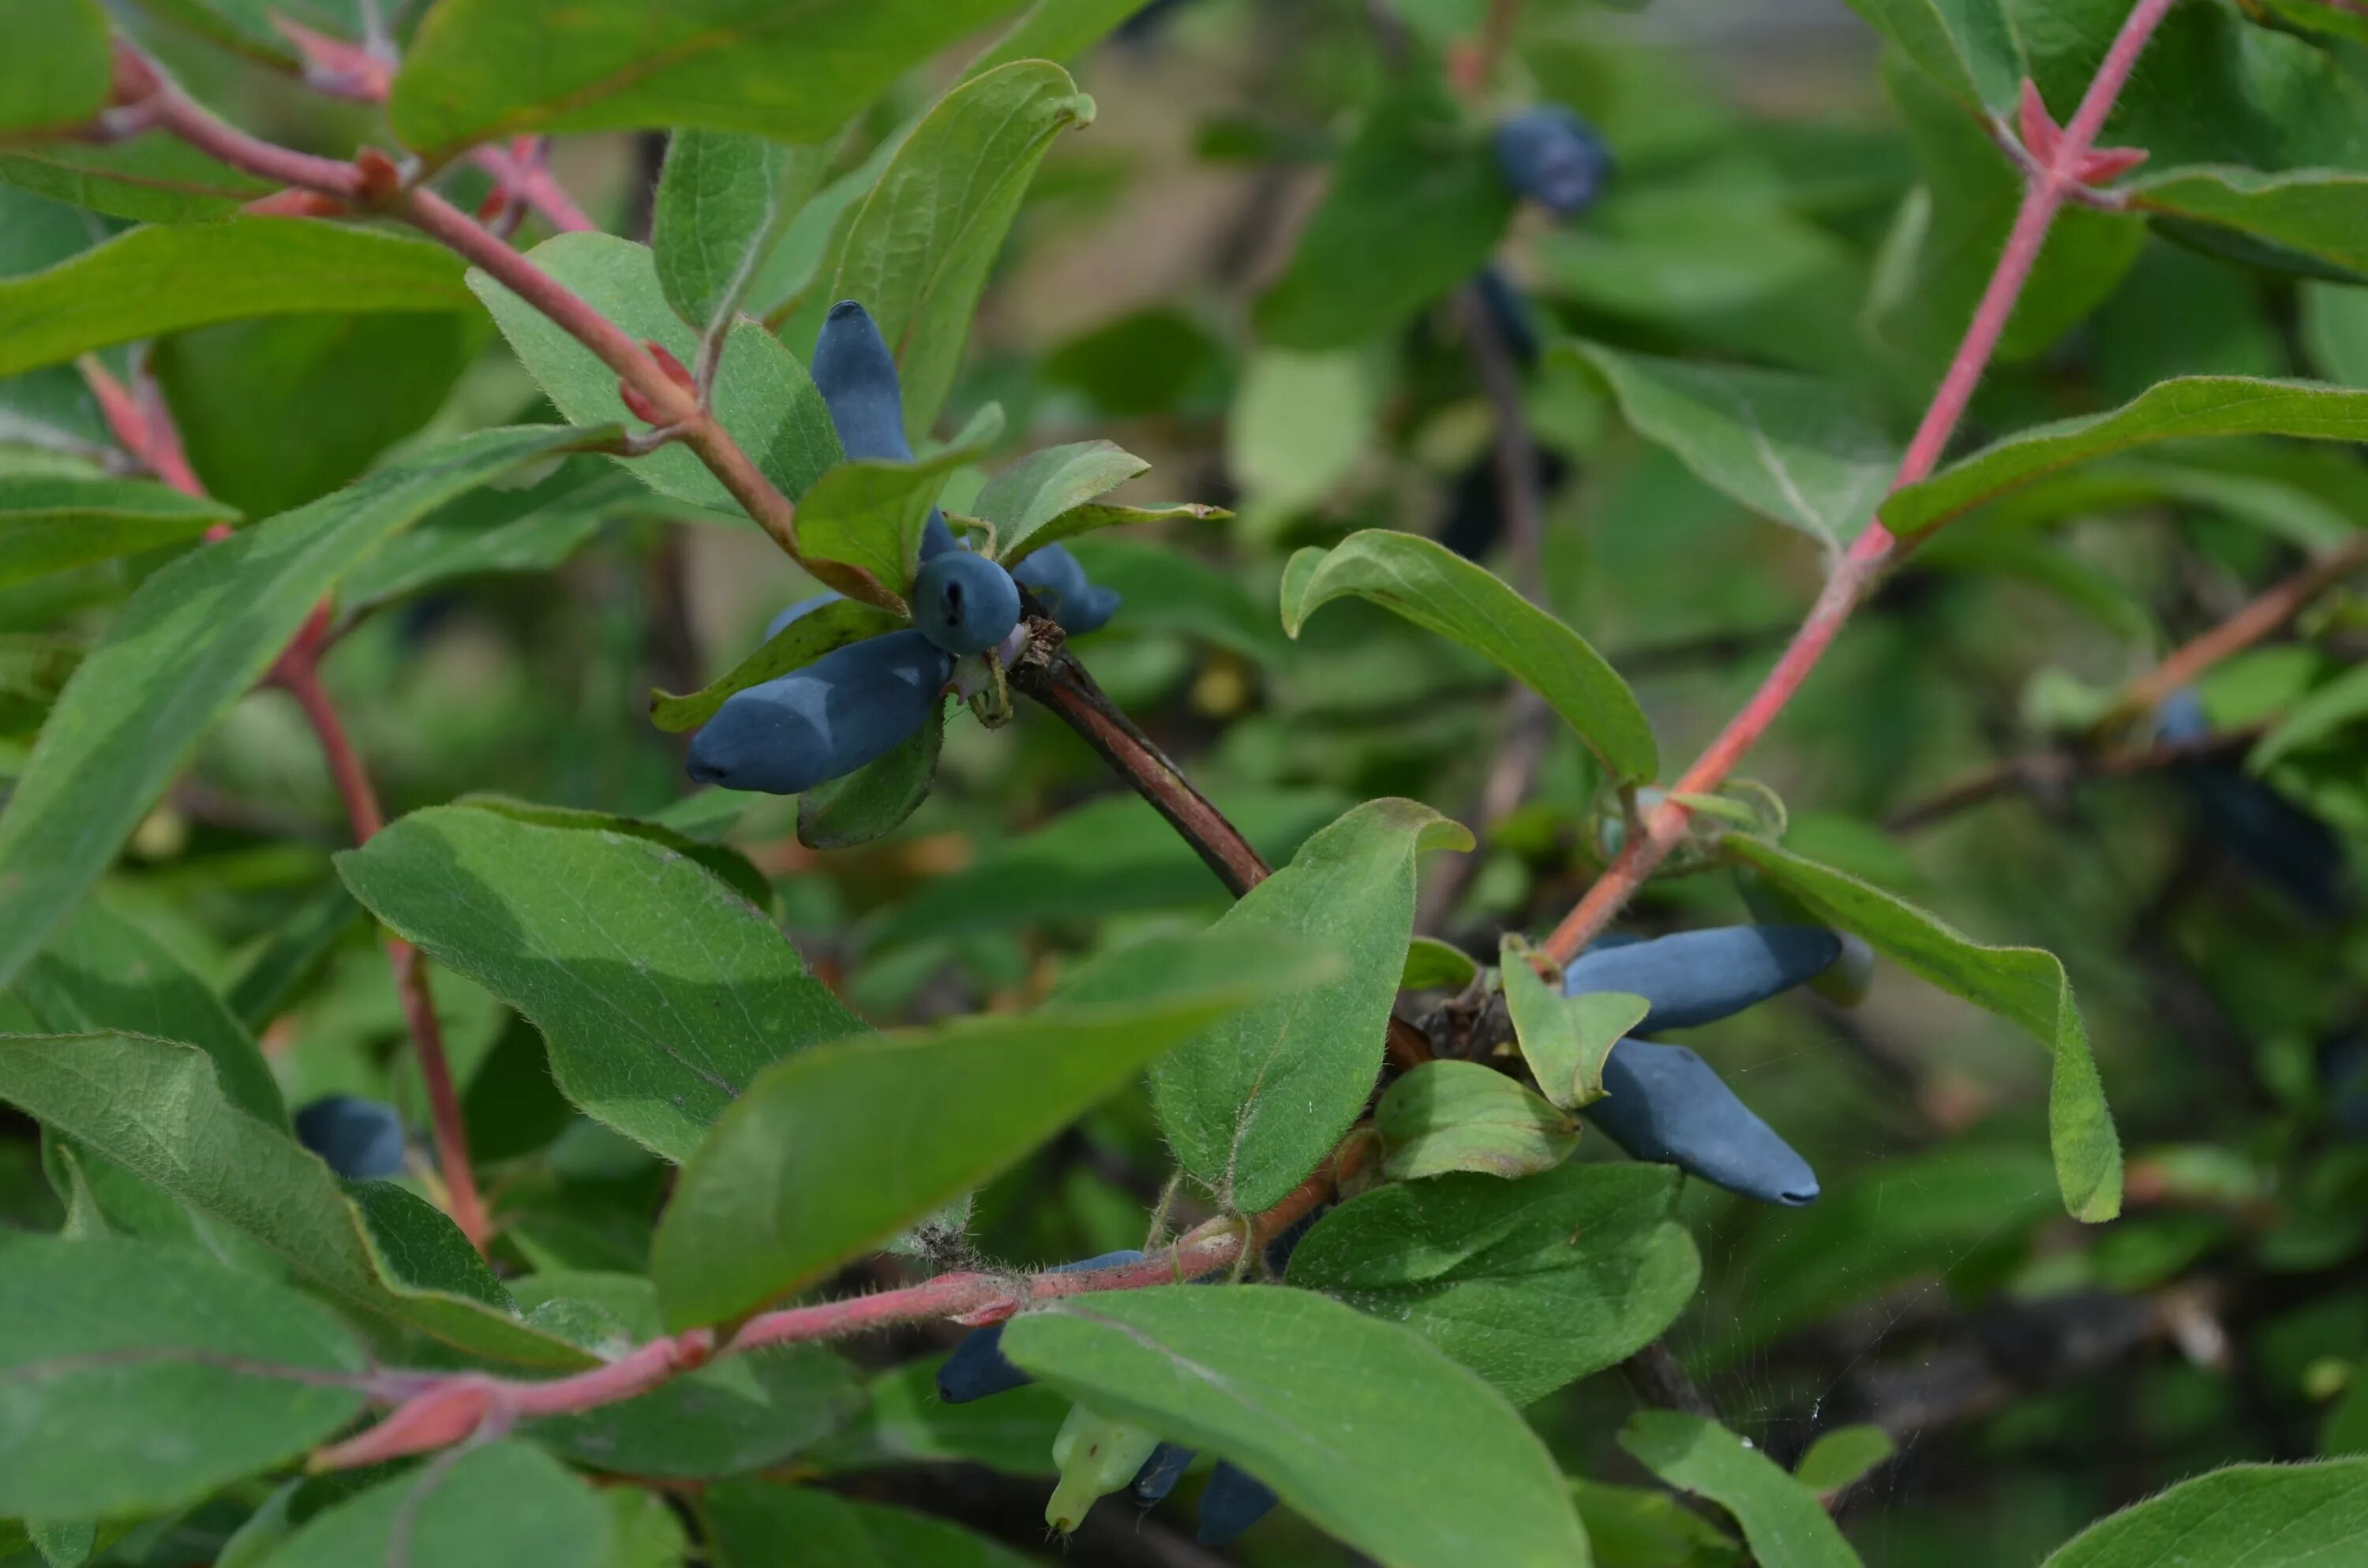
x,y
2052,181
531,182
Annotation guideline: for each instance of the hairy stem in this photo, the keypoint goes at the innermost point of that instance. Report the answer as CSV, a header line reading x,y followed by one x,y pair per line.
x,y
2050,184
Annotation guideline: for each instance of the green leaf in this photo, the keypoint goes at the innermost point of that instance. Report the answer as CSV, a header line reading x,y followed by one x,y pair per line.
x,y
148,281
919,247
663,993
1415,209
157,1109
1565,1039
1439,590
189,643
1968,46
735,1414
1298,426
535,527
762,1523
877,798
1434,965
763,397
2183,409
905,1422
2262,1516
722,202
1093,517
2302,220
1842,1458
1794,449
53,522
478,69
1253,1104
2046,563
1333,1409
2024,985
56,70
1531,1283
101,971
794,646
278,413
1640,1527
1783,1523
1031,493
502,1505
835,1151
1461,1116
2323,713
138,1378
870,512
152,178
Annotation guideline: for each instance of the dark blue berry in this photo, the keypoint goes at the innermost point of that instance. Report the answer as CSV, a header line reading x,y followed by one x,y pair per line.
x,y
1553,157
978,1367
1160,1473
2281,843
1509,313
826,720
1060,585
360,1138
856,377
1662,1103
1699,977
1232,1502
964,603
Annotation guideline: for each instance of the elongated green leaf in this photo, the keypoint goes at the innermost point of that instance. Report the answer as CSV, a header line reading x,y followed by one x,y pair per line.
x,y
1253,1104
154,179
762,395
483,69
1792,448
722,202
1438,589
2340,702
1094,515
918,248
1033,492
1843,1456
536,528
871,513
1644,1527
2261,1516
56,69
760,1524
157,1109
115,1356
2302,220
1782,1521
1461,1116
194,638
102,972
1564,1038
1414,207
663,994
148,281
1331,1408
504,1505
2024,985
1531,1283
2182,409
794,646
877,798
1967,45
49,523
839,1148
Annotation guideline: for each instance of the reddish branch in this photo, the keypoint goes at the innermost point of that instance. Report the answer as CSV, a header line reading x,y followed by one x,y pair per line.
x,y
2066,164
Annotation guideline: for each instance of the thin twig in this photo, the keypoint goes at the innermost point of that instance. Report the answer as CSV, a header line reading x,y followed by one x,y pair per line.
x,y
2066,168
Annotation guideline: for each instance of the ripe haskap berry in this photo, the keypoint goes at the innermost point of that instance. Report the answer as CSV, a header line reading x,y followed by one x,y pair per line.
x,y
2281,843
977,1368
803,607
1160,1473
1699,977
824,721
1662,1103
964,603
1553,157
360,1138
856,377
1509,312
1060,585
1232,1502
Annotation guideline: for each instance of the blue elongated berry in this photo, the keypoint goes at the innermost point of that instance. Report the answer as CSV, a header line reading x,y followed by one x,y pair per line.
x,y
802,608
847,708
856,377
1160,1473
1057,580
1232,1502
964,603
2281,843
1509,312
1553,157
1662,1103
977,1367
1699,977
360,1138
